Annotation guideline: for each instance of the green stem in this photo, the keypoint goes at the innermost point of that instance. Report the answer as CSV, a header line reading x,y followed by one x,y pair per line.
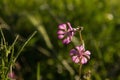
x,y
14,42
4,41
11,69
80,71
38,71
10,63
81,39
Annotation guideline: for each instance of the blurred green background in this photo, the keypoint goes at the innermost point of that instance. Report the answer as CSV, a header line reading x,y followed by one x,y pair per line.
x,y
45,57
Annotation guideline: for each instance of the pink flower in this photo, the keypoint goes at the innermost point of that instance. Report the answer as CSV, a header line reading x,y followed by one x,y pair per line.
x,y
79,55
65,33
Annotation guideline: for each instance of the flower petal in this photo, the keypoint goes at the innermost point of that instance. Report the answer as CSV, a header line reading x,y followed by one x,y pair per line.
x,y
70,34
62,26
69,26
80,48
73,52
60,36
75,59
87,52
66,40
83,60
60,32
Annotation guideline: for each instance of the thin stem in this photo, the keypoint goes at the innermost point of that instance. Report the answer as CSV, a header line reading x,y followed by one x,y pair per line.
x,y
10,63
38,71
11,69
4,41
80,71
11,58
24,45
14,42
81,39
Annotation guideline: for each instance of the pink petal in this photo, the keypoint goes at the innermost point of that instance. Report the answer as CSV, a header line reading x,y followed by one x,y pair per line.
x,y
83,60
73,52
66,40
87,56
69,38
80,48
75,59
62,26
60,36
69,26
60,32
87,52
70,34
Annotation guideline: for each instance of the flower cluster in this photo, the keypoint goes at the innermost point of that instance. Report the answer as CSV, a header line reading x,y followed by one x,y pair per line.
x,y
79,54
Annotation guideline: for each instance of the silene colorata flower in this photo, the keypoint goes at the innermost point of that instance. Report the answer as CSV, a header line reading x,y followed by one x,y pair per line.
x,y
65,32
80,55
